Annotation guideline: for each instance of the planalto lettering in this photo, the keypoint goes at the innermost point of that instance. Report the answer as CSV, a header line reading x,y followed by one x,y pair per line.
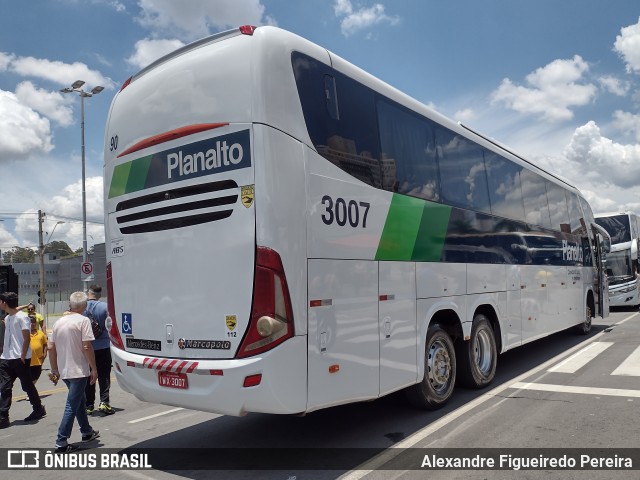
x,y
221,155
571,252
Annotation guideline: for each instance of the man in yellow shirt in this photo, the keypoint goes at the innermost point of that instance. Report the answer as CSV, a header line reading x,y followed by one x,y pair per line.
x,y
38,349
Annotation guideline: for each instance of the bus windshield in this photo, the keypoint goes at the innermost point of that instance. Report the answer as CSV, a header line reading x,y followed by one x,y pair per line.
x,y
617,226
619,267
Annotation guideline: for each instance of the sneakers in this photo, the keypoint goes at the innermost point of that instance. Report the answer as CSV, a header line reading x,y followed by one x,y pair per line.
x,y
90,410
36,414
91,436
5,422
106,409
67,448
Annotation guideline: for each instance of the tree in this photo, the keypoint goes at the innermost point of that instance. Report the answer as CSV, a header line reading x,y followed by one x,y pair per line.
x,y
59,248
19,255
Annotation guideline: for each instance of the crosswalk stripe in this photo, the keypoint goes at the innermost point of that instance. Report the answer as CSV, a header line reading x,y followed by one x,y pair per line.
x,y
545,387
631,366
581,358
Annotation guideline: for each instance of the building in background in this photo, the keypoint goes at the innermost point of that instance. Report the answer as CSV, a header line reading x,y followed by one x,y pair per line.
x,y
62,276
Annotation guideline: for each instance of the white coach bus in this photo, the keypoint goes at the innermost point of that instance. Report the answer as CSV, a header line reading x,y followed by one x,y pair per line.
x,y
622,261
286,232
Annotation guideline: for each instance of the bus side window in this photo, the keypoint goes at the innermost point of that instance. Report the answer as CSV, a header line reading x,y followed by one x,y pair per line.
x,y
331,97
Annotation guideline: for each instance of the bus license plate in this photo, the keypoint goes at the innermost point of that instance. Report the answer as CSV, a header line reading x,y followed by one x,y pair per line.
x,y
173,380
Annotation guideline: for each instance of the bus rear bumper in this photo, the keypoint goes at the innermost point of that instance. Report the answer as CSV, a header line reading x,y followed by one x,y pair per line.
x,y
217,385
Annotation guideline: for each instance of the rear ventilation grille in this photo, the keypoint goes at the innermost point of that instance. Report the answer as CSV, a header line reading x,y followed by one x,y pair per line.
x,y
177,208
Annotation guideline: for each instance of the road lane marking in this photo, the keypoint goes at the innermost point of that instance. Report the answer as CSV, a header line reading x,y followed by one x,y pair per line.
x,y
580,359
631,366
18,398
626,319
156,415
63,388
384,457
546,387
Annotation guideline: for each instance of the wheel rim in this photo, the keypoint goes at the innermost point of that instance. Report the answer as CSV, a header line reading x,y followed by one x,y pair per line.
x,y
587,320
439,366
482,352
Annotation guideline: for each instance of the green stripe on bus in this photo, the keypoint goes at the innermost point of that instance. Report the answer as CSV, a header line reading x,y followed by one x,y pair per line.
x,y
119,179
138,174
401,228
130,176
432,232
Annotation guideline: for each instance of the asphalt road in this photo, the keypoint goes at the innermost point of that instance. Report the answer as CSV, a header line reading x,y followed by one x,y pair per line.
x,y
564,392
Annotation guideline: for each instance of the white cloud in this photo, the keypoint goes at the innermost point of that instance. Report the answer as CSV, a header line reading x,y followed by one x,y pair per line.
x,y
63,74
7,240
66,203
356,20
117,6
598,203
5,61
627,122
22,131
627,45
614,163
464,115
615,85
50,104
147,51
552,90
67,207
198,18
342,7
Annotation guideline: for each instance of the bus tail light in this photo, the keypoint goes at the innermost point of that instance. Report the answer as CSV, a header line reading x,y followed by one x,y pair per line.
x,y
126,83
271,320
247,29
110,323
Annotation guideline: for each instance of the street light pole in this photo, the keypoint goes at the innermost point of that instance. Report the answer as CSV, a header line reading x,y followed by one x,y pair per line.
x,y
77,87
41,298
84,191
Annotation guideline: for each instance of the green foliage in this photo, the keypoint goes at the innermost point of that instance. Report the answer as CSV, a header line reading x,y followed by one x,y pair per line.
x,y
30,255
19,255
61,249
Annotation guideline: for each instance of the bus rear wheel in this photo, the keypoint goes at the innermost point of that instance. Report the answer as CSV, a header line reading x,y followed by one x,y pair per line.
x,y
436,387
479,356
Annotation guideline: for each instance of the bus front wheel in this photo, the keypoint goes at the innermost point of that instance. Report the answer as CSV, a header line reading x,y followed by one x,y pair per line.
x,y
479,356
585,327
436,387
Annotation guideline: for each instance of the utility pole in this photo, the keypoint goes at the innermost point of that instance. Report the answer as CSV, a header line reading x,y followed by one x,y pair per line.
x,y
41,298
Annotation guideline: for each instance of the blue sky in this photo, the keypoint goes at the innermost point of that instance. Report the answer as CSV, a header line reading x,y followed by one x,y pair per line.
x,y
558,81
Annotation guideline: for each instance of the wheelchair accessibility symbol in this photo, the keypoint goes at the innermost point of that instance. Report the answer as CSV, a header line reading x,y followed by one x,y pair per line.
x,y
127,323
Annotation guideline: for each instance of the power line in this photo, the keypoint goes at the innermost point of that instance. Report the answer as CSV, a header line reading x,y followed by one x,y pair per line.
x,y
52,216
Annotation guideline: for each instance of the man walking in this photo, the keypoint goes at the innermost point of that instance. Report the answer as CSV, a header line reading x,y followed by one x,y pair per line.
x,y
14,361
72,360
97,311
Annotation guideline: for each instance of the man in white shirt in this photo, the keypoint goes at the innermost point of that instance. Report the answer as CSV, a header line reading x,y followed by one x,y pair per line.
x,y
14,360
72,360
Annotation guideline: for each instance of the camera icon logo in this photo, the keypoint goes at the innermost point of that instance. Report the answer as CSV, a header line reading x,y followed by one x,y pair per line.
x,y
23,459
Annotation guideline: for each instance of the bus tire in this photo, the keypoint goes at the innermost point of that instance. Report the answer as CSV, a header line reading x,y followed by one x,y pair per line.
x,y
585,327
436,387
479,356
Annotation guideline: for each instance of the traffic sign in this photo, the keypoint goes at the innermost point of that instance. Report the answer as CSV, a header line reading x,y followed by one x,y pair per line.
x,y
87,268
